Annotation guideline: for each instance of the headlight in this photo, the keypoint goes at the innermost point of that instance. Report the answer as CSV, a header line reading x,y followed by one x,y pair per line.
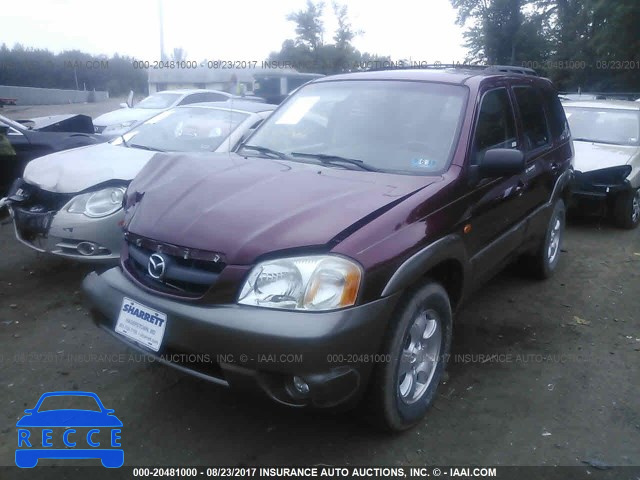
x,y
98,204
319,282
119,126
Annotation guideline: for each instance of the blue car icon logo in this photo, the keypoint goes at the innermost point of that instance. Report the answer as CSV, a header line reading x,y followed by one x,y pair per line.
x,y
78,433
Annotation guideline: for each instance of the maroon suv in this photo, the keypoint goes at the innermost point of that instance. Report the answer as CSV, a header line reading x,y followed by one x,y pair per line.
x,y
323,260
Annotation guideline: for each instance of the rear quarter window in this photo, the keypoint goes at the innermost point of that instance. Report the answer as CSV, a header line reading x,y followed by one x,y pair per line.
x,y
558,124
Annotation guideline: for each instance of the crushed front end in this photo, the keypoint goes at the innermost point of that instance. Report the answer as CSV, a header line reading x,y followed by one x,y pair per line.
x,y
594,191
41,222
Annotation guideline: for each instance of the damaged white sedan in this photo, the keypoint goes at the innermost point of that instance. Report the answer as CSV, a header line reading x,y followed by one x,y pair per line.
x,y
606,137
70,203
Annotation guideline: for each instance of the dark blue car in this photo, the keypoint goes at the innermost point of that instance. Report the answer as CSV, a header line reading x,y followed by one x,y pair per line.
x,y
32,448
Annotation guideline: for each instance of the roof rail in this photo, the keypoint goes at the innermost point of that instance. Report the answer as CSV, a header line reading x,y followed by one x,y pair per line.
x,y
511,69
460,66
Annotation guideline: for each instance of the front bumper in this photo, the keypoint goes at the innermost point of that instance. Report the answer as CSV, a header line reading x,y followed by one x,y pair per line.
x,y
593,190
69,235
248,347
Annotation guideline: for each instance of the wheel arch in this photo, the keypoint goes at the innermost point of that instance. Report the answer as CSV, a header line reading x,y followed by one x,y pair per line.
x,y
444,261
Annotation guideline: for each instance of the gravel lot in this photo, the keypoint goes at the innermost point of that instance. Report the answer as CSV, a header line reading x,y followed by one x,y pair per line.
x,y
542,373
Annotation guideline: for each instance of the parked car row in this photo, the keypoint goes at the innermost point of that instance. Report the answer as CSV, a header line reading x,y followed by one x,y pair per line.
x,y
70,203
116,123
320,256
22,141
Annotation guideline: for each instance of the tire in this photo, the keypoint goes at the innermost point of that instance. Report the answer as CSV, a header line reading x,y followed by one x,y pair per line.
x,y
398,400
626,210
544,261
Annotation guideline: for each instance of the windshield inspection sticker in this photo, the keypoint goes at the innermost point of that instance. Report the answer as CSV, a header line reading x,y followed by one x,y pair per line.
x,y
423,163
69,433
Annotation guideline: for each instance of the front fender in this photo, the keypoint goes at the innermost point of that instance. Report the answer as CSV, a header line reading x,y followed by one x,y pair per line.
x,y
450,247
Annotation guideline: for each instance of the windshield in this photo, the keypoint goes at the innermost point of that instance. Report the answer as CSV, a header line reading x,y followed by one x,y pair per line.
x,y
396,126
602,125
159,100
66,402
184,129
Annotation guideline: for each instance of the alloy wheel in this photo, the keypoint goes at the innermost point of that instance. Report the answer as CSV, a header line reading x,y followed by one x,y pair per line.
x,y
420,356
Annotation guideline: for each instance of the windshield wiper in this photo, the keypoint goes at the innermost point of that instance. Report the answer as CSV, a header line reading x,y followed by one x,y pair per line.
x,y
335,160
265,151
124,141
144,147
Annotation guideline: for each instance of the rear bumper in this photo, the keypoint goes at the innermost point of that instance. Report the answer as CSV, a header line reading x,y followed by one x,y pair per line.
x,y
256,348
111,458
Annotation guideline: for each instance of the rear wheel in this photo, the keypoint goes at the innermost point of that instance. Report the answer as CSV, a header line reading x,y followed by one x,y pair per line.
x,y
626,210
544,261
418,345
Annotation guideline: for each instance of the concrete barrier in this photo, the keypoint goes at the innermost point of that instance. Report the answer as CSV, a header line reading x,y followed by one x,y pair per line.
x,y
50,96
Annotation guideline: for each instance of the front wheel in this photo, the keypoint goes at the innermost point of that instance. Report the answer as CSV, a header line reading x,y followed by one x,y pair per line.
x,y
418,344
626,211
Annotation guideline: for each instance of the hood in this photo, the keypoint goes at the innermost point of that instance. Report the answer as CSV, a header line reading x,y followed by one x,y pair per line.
x,y
246,207
124,115
78,169
60,123
594,156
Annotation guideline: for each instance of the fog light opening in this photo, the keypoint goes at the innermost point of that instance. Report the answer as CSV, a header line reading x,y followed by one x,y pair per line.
x,y
87,248
300,385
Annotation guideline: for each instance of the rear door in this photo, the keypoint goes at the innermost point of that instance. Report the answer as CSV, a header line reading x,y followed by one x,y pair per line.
x,y
537,144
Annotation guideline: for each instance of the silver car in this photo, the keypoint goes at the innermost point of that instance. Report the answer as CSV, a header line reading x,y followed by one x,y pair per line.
x,y
70,203
606,138
117,122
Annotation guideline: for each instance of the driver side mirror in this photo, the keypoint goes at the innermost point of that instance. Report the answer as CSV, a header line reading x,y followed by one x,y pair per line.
x,y
500,162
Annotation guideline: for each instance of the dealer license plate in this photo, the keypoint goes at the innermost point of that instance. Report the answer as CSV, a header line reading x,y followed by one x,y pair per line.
x,y
140,323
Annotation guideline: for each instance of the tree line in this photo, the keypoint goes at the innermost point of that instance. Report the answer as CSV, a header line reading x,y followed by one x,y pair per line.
x,y
588,44
72,69
593,45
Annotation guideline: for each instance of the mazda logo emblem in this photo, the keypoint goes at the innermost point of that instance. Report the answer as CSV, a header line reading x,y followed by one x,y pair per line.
x,y
156,266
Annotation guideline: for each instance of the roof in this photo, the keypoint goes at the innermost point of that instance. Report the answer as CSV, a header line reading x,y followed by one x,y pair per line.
x,y
444,75
616,104
237,105
188,91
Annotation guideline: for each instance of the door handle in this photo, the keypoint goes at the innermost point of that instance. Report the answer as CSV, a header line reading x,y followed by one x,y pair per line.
x,y
519,189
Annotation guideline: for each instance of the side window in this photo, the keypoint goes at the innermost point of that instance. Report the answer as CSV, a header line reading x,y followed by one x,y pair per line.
x,y
534,121
195,98
557,119
496,127
214,97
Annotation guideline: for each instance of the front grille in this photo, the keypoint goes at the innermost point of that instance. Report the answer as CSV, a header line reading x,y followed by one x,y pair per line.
x,y
186,272
32,223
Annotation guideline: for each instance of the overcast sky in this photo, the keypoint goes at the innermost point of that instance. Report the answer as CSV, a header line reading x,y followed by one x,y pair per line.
x,y
424,30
